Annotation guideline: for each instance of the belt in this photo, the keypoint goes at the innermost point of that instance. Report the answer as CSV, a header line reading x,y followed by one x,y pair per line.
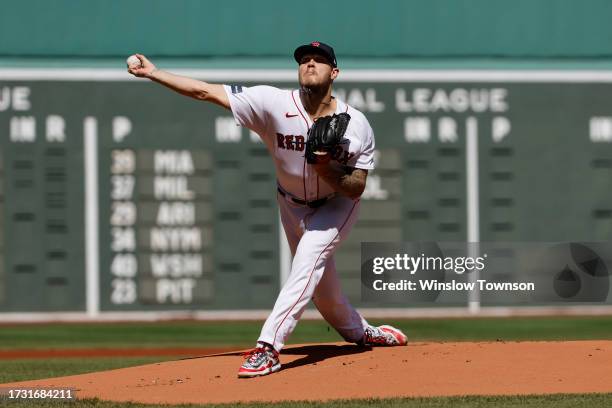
x,y
311,204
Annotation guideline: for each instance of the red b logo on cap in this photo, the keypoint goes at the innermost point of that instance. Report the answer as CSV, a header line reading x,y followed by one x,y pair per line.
x,y
315,43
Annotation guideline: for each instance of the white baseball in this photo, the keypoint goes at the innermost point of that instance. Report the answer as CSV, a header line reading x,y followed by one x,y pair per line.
x,y
133,61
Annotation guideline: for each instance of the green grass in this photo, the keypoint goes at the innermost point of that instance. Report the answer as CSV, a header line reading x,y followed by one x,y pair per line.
x,y
243,334
515,328
548,401
116,335
28,369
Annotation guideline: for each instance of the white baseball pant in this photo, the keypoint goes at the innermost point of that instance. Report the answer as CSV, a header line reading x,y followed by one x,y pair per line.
x,y
313,236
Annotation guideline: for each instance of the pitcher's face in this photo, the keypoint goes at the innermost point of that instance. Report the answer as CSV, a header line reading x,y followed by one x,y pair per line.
x,y
316,72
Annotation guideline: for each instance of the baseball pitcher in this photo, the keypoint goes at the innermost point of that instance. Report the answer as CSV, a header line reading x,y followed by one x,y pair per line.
x,y
322,150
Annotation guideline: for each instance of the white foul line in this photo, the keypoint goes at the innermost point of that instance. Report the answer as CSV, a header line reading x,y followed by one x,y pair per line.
x,y
92,248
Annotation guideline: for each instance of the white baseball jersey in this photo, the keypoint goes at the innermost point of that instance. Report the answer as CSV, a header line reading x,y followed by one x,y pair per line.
x,y
281,121
313,234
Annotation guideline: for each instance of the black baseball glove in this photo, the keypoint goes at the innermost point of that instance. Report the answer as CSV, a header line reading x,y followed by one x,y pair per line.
x,y
324,135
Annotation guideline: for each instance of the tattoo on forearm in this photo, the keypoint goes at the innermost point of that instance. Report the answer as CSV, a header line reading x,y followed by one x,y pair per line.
x,y
345,180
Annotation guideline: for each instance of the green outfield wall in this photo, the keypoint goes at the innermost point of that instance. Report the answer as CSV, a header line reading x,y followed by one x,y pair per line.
x,y
120,193
364,29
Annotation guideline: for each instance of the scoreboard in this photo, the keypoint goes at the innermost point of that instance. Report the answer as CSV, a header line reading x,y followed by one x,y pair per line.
x,y
119,195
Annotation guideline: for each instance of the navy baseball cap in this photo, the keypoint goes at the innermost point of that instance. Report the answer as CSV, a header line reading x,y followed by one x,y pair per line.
x,y
316,47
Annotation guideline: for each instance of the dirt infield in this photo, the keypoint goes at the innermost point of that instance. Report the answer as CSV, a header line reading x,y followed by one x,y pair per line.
x,y
338,370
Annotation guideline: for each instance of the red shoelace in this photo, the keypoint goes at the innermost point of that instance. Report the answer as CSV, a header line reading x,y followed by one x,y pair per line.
x,y
249,354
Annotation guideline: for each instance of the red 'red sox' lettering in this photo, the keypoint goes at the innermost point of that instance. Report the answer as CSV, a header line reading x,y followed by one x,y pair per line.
x,y
290,142
297,143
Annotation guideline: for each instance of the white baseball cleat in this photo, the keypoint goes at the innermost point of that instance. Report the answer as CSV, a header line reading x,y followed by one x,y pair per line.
x,y
259,361
384,336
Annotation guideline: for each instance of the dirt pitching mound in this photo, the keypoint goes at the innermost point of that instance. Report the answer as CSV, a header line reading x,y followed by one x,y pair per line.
x,y
338,371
